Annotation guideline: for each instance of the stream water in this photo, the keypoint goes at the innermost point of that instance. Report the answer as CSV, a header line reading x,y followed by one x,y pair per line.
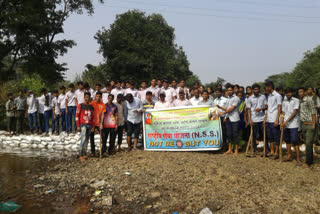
x,y
15,167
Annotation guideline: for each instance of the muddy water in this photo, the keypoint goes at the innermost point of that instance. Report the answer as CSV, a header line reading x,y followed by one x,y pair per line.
x,y
15,168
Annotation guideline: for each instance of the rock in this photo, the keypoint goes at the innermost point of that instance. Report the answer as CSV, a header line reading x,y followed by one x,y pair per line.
x,y
98,184
107,201
38,186
155,194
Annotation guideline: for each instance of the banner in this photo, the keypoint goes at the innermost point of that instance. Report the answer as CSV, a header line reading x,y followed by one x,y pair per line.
x,y
182,129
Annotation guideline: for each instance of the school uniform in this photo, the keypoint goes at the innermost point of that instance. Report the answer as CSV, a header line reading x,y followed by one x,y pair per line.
x,y
48,115
41,102
20,103
70,98
291,130
32,113
233,120
221,101
273,133
257,118
56,121
63,116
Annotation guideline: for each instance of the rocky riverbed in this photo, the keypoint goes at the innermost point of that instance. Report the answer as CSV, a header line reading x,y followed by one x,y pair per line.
x,y
184,182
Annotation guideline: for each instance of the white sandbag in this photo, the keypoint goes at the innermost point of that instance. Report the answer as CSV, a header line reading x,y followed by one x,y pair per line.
x,y
24,145
41,146
34,145
46,139
44,143
25,141
73,141
50,146
68,147
16,138
28,138
36,139
2,132
6,142
75,147
58,147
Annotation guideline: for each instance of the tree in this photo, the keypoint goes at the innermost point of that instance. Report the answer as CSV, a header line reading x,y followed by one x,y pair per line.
x,y
28,32
96,74
138,47
306,72
214,84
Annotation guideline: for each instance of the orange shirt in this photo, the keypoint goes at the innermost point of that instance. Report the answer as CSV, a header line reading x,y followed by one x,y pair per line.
x,y
99,108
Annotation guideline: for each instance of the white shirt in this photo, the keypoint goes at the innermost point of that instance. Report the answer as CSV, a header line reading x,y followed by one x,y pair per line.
x,y
155,93
179,102
234,115
170,94
186,91
62,101
162,105
70,96
142,94
220,101
105,96
203,103
130,108
80,96
134,92
274,100
32,105
55,104
91,93
195,101
116,91
254,102
288,106
41,101
47,107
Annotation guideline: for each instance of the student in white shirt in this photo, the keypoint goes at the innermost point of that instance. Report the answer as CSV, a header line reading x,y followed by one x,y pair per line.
x,y
62,107
272,119
196,97
98,88
105,92
154,89
232,119
205,99
47,110
55,112
71,109
184,88
131,90
181,101
40,103
79,93
162,103
117,90
32,111
171,94
143,90
87,88
221,102
290,124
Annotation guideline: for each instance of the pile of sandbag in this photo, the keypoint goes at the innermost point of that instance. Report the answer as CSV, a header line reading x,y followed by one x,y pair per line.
x,y
60,142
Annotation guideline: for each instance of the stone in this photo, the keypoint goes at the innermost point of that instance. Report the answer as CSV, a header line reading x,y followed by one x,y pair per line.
x,y
155,194
98,184
107,201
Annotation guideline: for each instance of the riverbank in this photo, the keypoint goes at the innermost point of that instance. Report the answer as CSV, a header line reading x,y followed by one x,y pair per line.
x,y
184,182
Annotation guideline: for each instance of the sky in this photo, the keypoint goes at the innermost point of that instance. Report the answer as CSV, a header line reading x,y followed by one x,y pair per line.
x,y
242,41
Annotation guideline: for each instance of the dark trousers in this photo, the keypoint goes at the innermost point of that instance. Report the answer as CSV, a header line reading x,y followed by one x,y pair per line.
x,y
20,121
56,123
257,134
224,132
105,135
273,133
41,122
12,124
92,144
71,116
119,134
232,131
308,135
63,118
33,119
48,115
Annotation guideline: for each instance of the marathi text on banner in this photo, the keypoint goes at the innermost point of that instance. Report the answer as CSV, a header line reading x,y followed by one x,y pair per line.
x,y
182,129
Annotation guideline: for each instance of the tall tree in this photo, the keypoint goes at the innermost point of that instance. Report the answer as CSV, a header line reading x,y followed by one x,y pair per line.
x,y
28,32
138,47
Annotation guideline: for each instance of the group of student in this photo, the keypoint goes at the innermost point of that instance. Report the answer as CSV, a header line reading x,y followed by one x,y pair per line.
x,y
118,107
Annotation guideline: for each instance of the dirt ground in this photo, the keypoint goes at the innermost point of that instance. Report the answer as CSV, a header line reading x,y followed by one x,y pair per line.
x,y
184,182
